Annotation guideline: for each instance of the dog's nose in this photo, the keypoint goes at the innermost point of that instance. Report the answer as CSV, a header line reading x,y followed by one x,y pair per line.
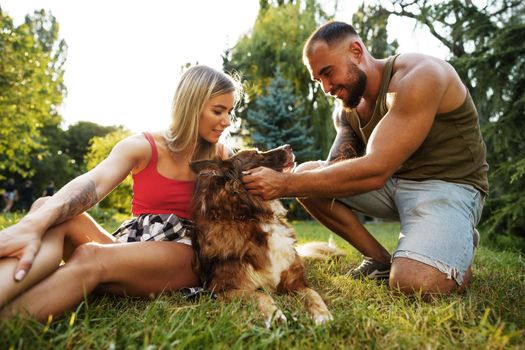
x,y
287,147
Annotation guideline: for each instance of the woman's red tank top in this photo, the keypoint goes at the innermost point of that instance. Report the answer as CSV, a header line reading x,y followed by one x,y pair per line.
x,y
157,194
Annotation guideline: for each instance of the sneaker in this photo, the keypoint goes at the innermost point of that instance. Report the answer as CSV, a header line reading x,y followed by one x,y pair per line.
x,y
370,268
194,293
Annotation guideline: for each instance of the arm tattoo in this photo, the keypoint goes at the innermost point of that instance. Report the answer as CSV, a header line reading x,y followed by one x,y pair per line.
x,y
346,144
81,199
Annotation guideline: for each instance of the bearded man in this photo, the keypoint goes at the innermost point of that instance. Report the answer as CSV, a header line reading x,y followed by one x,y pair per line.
x,y
408,148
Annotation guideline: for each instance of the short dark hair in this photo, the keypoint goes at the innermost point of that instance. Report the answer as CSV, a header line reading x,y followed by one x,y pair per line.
x,y
330,32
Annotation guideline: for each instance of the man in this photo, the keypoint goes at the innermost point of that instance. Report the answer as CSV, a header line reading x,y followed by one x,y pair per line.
x,y
410,127
10,195
26,196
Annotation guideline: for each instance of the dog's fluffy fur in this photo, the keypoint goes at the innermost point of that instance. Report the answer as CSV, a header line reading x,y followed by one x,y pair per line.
x,y
243,243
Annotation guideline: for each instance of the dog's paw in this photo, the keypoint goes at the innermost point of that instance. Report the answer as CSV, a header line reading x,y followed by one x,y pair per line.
x,y
323,318
277,319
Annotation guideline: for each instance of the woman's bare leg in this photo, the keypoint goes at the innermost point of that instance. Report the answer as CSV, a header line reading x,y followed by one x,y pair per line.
x,y
58,242
137,269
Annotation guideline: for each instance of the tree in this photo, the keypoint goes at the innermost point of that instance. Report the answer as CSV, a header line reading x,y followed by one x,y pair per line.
x,y
78,137
278,118
52,162
371,22
487,48
276,41
120,197
31,87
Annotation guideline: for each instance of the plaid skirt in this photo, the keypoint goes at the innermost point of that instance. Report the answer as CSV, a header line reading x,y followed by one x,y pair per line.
x,y
155,227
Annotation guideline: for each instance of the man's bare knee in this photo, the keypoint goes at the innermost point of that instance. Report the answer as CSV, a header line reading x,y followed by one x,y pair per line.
x,y
411,276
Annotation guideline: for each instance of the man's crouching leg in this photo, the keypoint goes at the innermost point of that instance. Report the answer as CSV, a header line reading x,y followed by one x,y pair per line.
x,y
413,277
438,239
340,219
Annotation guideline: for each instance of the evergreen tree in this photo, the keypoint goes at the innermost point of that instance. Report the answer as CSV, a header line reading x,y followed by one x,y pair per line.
x,y
278,118
276,40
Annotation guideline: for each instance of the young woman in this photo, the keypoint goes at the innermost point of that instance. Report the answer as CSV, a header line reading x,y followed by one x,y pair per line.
x,y
160,258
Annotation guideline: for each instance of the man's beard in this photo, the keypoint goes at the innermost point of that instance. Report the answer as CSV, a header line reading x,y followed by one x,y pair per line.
x,y
357,89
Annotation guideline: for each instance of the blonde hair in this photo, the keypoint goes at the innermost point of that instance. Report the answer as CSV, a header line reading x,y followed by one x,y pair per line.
x,y
196,86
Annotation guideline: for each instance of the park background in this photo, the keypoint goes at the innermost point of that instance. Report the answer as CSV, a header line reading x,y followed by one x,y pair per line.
x,y
77,77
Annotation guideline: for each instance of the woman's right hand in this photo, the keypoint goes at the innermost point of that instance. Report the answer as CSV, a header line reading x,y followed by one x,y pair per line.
x,y
20,241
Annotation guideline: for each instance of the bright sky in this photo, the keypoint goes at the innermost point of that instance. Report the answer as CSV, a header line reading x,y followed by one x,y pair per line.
x,y
124,57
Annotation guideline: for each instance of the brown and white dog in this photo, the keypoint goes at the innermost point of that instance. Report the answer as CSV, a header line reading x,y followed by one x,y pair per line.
x,y
244,244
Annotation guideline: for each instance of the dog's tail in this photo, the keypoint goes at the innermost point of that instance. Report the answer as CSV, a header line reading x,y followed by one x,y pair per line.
x,y
320,250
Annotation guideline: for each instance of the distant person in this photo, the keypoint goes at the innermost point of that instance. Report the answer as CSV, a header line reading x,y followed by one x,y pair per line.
x,y
26,195
50,189
160,259
408,147
10,195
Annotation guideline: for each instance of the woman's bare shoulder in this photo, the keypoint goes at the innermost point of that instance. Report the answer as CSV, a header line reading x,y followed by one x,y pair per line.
x,y
136,147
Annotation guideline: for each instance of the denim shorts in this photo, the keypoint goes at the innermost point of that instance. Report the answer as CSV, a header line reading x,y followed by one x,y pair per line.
x,y
437,220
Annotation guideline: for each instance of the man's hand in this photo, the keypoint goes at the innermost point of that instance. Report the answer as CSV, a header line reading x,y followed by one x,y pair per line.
x,y
266,183
22,242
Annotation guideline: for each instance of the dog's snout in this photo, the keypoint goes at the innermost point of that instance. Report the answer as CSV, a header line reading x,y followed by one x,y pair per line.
x,y
287,147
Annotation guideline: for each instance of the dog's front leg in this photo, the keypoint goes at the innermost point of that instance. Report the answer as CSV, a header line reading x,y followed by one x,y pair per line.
x,y
315,306
271,313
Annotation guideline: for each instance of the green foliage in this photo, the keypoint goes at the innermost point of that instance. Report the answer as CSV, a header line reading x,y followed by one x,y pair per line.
x,y
370,21
487,48
265,4
52,163
31,87
78,137
499,68
276,41
32,143
120,197
278,118
366,314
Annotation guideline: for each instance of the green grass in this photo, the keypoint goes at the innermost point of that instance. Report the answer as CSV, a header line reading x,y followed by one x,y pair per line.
x,y
490,315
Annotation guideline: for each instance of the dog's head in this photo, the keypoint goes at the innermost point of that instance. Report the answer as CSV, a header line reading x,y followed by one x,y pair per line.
x,y
279,159
218,180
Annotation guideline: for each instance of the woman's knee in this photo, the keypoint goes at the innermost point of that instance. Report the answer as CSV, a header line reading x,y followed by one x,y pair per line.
x,y
88,260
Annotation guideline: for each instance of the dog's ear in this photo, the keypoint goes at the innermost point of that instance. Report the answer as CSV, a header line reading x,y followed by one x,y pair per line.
x,y
200,166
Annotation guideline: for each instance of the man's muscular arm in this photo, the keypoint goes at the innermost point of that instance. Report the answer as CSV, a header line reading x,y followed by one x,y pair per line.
x,y
346,144
399,133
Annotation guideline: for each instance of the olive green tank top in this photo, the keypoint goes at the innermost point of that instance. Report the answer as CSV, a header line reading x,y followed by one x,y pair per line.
x,y
453,150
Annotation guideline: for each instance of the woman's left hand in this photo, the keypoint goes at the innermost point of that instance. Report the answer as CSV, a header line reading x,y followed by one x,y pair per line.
x,y
20,241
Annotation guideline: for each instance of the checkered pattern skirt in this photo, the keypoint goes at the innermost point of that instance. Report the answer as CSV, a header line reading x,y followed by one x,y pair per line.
x,y
155,227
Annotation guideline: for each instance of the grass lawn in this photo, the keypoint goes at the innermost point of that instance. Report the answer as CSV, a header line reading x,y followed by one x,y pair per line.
x,y
490,315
